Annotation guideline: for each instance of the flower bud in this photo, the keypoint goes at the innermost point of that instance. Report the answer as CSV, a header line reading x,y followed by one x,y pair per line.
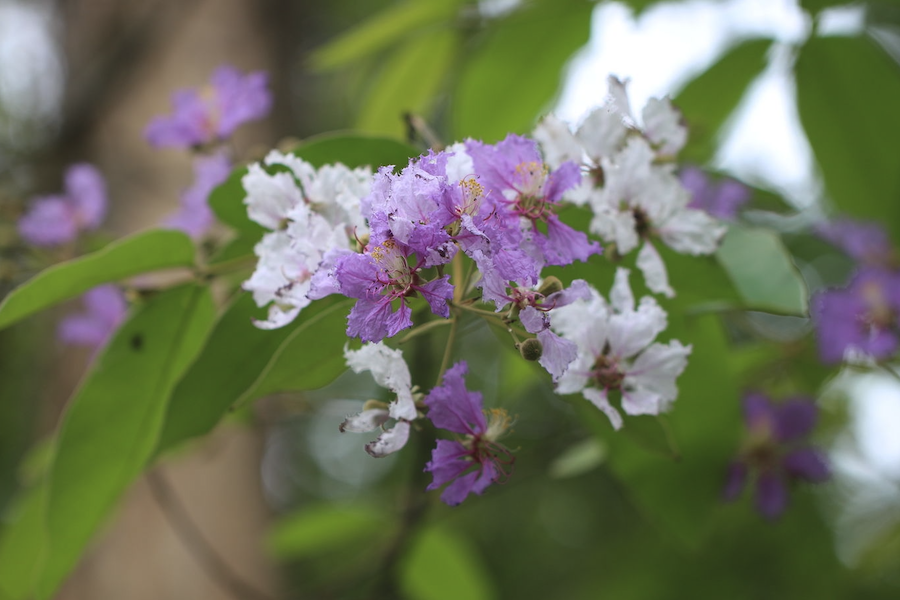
x,y
531,349
550,285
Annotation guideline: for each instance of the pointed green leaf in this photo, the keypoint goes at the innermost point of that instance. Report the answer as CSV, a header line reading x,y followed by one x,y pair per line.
x,y
113,421
516,71
325,528
712,97
22,546
760,266
442,565
382,30
139,253
848,92
409,82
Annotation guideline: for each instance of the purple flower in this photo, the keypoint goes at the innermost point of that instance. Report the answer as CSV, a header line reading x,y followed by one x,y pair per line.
x,y
521,188
775,451
195,216
859,318
58,219
471,464
379,277
865,241
203,116
106,308
721,200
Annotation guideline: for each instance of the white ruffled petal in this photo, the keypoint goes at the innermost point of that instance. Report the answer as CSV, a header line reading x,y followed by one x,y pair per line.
x,y
367,420
557,142
655,276
390,441
598,399
389,371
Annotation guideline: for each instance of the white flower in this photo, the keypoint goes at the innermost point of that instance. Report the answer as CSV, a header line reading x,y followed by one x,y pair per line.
x,y
617,352
311,212
628,180
390,371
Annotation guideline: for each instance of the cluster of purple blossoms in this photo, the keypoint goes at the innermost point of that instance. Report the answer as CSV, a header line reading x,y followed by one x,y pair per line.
x,y
59,219
204,116
775,452
495,203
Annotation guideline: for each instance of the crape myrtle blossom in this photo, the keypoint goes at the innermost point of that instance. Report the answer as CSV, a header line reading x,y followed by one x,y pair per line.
x,y
195,216
867,242
617,352
59,219
775,452
202,116
390,371
720,199
312,214
524,193
105,310
475,461
860,319
628,180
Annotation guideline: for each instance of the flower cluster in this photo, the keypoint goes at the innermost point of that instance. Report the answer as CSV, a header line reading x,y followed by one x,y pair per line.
x,y
628,180
775,452
59,219
203,116
470,230
617,352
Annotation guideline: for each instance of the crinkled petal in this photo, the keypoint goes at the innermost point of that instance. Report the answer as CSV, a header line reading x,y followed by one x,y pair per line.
x,y
808,464
454,408
771,495
655,276
598,399
795,418
390,441
389,370
557,353
365,421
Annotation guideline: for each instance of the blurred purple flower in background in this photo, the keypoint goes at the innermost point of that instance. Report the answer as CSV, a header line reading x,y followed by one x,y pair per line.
x,y
866,242
58,219
106,307
775,450
201,116
472,464
863,317
195,216
721,200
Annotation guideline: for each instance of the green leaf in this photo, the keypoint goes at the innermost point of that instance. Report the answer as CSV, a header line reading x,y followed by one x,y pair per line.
x,y
848,92
382,30
355,150
442,565
409,82
586,455
111,426
22,546
708,100
310,357
762,271
241,362
324,528
139,253
516,71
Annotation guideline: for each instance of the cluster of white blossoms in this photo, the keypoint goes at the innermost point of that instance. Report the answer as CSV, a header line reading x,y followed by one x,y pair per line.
x,y
310,213
629,180
617,352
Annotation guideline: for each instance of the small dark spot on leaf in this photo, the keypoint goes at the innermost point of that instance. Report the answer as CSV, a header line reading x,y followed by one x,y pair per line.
x,y
137,341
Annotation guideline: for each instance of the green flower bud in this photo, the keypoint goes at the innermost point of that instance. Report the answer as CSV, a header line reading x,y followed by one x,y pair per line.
x,y
531,349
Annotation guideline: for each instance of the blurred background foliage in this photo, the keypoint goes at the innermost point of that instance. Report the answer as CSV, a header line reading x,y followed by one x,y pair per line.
x,y
589,512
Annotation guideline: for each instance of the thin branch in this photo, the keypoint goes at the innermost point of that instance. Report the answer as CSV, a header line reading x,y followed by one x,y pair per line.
x,y
195,542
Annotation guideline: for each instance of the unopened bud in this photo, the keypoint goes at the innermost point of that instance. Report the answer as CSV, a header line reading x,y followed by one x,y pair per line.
x,y
531,349
551,285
